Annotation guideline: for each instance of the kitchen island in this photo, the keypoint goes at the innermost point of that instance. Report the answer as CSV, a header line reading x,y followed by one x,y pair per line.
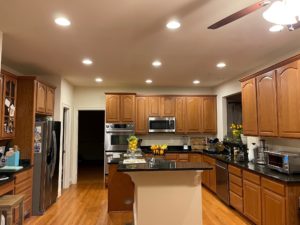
x,y
166,192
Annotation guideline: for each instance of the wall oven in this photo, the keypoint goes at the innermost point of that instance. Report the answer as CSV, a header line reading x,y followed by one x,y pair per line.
x,y
162,124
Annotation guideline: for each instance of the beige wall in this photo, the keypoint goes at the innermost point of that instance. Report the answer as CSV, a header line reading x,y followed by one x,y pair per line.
x,y
1,40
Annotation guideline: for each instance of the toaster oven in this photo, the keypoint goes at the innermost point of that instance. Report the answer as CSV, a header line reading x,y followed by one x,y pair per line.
x,y
284,162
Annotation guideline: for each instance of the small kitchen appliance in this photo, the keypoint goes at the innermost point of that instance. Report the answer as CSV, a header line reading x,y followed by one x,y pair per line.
x,y
162,124
284,161
260,153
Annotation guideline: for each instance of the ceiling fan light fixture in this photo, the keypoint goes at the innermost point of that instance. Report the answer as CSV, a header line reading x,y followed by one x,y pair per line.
x,y
276,28
280,13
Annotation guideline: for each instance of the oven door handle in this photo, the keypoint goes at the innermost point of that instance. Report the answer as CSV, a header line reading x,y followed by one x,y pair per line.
x,y
119,131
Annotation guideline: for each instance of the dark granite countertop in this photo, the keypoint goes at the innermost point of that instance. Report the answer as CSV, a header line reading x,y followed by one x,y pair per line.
x,y
163,165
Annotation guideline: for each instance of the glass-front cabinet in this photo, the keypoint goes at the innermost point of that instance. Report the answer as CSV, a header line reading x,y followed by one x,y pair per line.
x,y
9,106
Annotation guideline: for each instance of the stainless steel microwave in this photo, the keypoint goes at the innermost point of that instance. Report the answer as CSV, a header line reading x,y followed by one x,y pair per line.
x,y
284,162
162,125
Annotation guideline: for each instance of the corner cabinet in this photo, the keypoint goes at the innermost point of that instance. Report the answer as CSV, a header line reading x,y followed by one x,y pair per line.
x,y
45,99
288,89
9,100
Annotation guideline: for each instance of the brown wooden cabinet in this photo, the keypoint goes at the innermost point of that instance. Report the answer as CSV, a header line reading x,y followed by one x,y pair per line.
x,y
236,188
9,109
267,104
252,197
288,89
162,106
194,113
249,107
180,114
209,177
45,99
141,120
154,104
120,108
209,115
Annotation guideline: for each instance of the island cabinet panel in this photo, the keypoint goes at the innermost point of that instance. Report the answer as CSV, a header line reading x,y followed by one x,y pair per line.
x,y
50,99
209,115
194,114
167,106
154,104
180,114
249,109
127,108
41,98
267,104
252,201
112,108
141,120
288,92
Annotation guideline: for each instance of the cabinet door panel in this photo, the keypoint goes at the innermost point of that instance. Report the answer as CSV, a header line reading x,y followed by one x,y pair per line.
x,y
41,98
194,109
141,126
252,201
249,107
267,104
180,114
127,108
154,106
273,208
167,106
209,115
112,108
50,98
288,83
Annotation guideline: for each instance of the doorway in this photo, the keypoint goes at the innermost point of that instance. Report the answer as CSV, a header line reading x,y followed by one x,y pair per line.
x,y
90,144
234,111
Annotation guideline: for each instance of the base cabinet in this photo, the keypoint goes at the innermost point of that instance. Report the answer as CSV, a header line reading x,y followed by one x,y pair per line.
x,y
252,201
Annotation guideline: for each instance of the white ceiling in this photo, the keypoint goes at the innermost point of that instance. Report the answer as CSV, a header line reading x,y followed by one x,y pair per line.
x,y
124,37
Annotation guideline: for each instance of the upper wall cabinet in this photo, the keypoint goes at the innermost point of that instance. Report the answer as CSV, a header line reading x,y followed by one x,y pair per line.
x,y
209,114
141,125
288,89
194,113
162,106
120,108
45,99
267,104
249,107
180,114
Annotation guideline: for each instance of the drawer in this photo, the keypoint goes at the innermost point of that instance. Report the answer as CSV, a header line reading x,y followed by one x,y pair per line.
x,y
209,160
236,189
23,176
195,158
27,193
7,188
20,187
273,186
235,170
171,156
251,177
236,180
183,157
236,202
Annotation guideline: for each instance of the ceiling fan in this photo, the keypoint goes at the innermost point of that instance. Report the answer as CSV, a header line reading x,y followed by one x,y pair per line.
x,y
282,9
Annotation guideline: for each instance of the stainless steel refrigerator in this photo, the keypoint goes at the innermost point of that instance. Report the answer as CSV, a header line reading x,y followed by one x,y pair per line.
x,y
46,165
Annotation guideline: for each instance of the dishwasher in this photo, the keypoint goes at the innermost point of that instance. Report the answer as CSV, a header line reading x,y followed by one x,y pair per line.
x,y
222,181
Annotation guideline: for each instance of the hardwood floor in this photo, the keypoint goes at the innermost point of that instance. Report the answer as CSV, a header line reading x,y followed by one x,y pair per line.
x,y
86,204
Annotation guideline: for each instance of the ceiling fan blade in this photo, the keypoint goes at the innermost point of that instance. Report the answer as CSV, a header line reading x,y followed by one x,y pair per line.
x,y
239,14
296,26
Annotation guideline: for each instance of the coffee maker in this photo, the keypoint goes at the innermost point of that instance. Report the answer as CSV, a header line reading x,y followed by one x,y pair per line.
x,y
260,152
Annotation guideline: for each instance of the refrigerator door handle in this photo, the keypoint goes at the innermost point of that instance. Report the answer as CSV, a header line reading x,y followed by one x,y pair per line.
x,y
55,153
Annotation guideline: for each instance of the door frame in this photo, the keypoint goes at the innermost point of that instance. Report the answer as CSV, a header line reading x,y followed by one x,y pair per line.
x,y
74,155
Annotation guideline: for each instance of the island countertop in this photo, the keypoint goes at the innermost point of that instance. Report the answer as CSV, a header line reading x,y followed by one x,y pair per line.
x,y
163,165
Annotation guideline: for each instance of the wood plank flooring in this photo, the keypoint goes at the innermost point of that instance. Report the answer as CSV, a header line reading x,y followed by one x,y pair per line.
x,y
86,204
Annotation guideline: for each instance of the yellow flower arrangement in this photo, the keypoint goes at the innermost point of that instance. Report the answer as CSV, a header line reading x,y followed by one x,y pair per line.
x,y
237,130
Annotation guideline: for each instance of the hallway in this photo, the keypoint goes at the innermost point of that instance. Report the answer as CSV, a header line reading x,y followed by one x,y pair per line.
x,y
86,204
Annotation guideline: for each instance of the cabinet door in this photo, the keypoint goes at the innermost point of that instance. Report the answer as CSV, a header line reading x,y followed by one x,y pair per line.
x,y
252,201
141,121
167,106
50,98
273,208
153,108
267,104
180,114
127,108
194,109
41,98
9,106
213,179
209,115
288,92
249,107
112,108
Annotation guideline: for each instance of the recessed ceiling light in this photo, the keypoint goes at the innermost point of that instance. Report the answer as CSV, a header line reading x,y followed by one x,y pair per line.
x,y
98,80
156,63
87,61
62,21
221,65
148,81
173,25
196,82
276,28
